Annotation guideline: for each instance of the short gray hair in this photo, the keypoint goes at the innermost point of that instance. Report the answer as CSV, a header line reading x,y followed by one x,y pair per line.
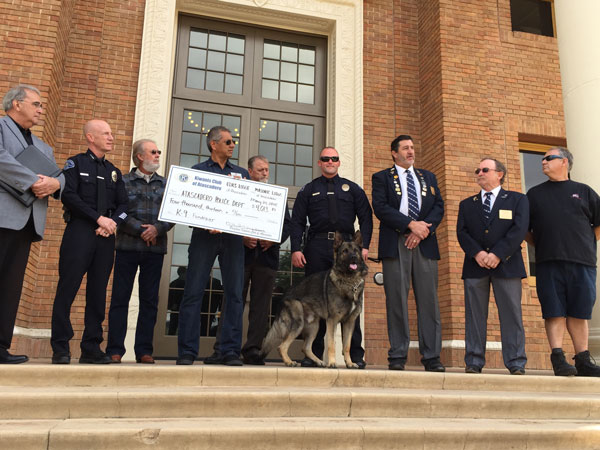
x,y
17,93
499,167
214,134
565,153
254,158
138,148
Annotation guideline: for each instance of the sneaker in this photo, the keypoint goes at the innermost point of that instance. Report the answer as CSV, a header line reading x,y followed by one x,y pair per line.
x,y
585,365
215,358
560,365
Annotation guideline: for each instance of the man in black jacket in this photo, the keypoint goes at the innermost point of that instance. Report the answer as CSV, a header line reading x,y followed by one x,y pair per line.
x,y
408,203
491,226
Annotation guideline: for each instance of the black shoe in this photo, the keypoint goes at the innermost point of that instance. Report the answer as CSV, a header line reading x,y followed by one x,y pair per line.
x,y
560,365
433,365
232,360
7,358
517,370
215,358
397,364
94,358
186,360
472,369
585,365
61,358
254,359
307,362
360,363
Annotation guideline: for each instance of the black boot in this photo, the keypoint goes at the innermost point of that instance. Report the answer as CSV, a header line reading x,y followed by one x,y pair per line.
x,y
585,365
560,365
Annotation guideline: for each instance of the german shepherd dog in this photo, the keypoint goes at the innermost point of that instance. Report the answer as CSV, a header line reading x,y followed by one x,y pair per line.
x,y
334,295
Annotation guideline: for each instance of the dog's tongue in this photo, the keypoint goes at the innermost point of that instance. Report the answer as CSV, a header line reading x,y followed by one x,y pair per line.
x,y
353,266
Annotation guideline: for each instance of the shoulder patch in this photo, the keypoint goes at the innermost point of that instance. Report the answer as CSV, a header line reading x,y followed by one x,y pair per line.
x,y
69,164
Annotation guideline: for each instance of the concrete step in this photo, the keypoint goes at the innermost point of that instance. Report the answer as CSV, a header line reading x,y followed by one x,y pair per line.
x,y
185,402
122,375
299,433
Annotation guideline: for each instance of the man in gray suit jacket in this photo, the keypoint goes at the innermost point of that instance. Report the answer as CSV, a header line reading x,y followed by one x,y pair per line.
x,y
20,225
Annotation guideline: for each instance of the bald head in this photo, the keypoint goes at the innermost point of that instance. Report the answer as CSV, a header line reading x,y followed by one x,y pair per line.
x,y
98,136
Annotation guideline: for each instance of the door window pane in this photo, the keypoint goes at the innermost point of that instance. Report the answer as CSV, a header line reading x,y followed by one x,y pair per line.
x,y
222,55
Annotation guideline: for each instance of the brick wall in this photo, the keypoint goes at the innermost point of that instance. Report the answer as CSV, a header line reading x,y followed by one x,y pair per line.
x,y
480,86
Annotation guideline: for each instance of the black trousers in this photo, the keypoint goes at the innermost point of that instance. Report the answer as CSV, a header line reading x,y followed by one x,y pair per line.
x,y
319,257
81,252
14,252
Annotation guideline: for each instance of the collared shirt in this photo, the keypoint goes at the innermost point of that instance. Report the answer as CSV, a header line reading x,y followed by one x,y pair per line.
x,y
230,169
404,198
26,133
493,197
141,174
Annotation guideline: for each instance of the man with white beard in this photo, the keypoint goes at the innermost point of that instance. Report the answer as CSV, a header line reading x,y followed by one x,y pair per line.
x,y
141,242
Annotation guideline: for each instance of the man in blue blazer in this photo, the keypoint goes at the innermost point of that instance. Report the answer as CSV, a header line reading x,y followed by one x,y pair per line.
x,y
491,226
408,204
20,225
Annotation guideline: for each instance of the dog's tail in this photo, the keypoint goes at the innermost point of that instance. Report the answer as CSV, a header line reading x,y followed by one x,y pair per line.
x,y
288,321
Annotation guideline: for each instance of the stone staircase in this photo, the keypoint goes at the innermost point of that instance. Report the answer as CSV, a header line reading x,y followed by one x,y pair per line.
x,y
165,406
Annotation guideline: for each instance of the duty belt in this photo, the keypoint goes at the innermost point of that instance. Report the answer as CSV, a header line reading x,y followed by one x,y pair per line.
x,y
330,235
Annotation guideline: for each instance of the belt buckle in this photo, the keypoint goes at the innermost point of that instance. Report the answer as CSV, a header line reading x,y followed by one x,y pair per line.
x,y
331,235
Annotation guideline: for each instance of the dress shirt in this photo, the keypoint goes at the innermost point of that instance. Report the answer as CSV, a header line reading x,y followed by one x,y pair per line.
x,y
404,198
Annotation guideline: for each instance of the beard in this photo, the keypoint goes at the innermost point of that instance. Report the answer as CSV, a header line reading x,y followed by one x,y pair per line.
x,y
150,167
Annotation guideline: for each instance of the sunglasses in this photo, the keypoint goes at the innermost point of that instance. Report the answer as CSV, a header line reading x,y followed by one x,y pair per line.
x,y
484,170
155,152
329,158
230,141
551,157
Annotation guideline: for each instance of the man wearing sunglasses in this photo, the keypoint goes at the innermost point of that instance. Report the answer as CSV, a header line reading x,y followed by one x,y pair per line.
x,y
141,243
330,203
20,225
408,203
564,226
204,247
491,227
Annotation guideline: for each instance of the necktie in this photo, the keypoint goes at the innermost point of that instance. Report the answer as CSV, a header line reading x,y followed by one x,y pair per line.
x,y
333,213
101,188
487,210
413,202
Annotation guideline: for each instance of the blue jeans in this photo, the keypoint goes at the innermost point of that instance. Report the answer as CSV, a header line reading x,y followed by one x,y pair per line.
x,y
126,265
203,250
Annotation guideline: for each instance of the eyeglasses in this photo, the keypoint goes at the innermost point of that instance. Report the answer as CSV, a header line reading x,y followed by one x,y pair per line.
x,y
485,170
230,141
155,152
329,158
551,157
36,105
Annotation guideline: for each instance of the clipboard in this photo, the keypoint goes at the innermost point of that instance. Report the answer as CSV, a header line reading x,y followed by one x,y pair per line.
x,y
36,161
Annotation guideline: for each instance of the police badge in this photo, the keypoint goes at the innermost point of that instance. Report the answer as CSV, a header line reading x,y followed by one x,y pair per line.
x,y
113,176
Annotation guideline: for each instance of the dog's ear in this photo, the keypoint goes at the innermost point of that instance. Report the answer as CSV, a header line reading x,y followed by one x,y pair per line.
x,y
338,240
357,239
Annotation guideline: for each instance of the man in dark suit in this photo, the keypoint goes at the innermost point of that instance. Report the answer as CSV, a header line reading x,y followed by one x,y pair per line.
x,y
491,226
408,203
20,225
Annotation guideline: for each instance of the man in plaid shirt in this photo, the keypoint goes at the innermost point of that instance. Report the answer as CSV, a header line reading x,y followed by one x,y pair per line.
x,y
141,242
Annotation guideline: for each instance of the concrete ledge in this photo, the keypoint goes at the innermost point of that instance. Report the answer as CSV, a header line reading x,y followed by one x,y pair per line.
x,y
323,433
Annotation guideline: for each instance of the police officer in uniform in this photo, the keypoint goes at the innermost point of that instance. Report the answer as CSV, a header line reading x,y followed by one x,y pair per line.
x,y
330,203
95,203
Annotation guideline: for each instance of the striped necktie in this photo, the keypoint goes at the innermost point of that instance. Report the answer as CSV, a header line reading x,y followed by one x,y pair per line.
x,y
413,202
487,210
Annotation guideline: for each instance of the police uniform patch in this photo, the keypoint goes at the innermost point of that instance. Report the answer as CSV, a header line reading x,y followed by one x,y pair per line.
x,y
113,175
345,187
432,190
69,164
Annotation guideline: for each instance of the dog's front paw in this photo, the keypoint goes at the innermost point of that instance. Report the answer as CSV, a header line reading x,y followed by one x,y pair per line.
x,y
332,365
352,365
292,364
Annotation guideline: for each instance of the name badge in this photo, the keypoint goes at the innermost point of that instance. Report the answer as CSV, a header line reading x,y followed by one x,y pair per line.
x,y
505,214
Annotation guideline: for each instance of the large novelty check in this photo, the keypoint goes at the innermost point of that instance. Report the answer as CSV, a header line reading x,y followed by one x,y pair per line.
x,y
218,202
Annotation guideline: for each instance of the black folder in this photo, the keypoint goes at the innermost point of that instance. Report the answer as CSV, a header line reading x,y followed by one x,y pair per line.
x,y
36,161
